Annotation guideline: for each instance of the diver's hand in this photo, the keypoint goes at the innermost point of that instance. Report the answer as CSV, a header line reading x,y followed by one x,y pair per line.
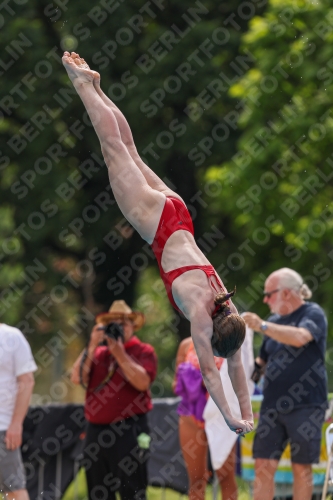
x,y
241,427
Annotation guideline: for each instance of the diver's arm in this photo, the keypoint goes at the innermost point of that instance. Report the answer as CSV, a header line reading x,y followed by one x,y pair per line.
x,y
239,383
201,331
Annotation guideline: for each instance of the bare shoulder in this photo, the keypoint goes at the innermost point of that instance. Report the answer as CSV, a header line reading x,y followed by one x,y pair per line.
x,y
182,350
185,344
193,294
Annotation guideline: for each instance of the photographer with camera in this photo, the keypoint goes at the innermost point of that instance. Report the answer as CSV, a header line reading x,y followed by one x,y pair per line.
x,y
117,370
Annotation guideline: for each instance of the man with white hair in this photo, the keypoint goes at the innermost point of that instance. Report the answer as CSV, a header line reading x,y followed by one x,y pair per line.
x,y
292,356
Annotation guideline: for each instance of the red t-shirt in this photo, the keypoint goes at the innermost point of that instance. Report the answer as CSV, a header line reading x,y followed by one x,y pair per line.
x,y
118,399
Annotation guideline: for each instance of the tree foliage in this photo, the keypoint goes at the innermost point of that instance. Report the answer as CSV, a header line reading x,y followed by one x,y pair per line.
x,y
52,173
278,186
192,80
168,66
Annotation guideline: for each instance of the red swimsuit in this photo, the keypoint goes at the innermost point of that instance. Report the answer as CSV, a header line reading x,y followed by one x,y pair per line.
x,y
176,217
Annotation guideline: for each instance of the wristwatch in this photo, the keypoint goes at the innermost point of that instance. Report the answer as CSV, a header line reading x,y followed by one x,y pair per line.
x,y
263,326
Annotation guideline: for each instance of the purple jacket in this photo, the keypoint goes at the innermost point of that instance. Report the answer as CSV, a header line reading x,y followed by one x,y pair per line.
x,y
191,388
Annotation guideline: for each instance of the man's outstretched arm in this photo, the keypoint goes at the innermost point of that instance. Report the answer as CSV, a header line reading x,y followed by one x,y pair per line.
x,y
286,334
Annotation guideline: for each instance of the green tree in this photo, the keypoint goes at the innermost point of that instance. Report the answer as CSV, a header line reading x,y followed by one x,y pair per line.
x,y
169,67
279,182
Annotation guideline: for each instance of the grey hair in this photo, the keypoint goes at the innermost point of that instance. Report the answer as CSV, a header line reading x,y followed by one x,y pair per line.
x,y
288,278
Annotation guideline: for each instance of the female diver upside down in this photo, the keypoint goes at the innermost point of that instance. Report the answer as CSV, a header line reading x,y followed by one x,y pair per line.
x,y
161,218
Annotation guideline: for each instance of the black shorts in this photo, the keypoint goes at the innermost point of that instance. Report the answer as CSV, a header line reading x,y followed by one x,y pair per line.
x,y
115,461
301,428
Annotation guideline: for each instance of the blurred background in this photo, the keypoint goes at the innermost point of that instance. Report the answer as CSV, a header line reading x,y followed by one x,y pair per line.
x,y
229,102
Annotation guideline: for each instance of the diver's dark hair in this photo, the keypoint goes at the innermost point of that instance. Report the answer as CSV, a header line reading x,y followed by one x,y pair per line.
x,y
228,328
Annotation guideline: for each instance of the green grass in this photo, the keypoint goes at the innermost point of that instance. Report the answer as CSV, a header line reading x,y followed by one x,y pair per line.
x,y
153,493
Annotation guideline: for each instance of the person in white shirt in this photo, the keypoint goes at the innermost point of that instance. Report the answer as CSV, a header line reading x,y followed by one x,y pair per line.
x,y
16,384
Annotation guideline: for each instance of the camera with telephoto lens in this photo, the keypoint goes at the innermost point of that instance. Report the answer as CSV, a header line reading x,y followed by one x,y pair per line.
x,y
114,331
258,371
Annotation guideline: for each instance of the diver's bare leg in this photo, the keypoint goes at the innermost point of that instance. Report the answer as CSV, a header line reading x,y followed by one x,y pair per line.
x,y
140,204
126,136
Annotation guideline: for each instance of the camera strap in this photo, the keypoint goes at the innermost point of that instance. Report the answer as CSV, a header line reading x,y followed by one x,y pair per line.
x,y
83,359
112,368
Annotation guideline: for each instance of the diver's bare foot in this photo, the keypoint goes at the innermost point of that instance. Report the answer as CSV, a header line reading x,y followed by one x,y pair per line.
x,y
97,84
77,69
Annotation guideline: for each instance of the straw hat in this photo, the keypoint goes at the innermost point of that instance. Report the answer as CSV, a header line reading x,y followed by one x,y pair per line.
x,y
120,310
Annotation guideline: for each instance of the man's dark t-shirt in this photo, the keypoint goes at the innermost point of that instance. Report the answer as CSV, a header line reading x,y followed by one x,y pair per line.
x,y
296,377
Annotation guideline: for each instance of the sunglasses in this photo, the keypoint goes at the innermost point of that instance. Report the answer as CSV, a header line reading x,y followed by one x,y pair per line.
x,y
269,294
